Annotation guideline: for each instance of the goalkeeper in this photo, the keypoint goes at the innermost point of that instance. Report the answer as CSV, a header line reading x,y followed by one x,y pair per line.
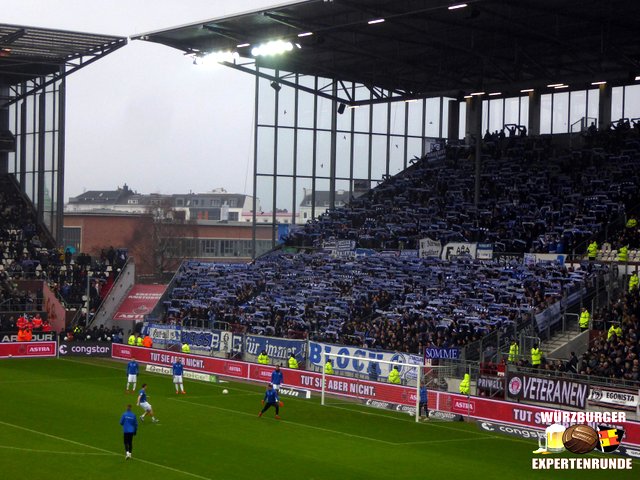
x,y
271,400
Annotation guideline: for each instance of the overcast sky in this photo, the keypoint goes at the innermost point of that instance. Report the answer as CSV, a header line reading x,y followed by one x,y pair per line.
x,y
145,115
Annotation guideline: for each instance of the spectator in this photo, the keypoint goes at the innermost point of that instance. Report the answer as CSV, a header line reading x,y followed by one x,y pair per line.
x,y
394,376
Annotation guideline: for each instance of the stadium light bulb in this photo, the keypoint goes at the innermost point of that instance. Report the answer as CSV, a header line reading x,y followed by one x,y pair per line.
x,y
242,45
561,86
457,6
468,96
477,94
274,47
526,90
305,34
637,78
599,83
216,57
493,94
554,85
377,20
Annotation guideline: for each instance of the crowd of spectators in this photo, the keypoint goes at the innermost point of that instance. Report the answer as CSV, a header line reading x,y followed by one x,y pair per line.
x,y
530,201
28,253
612,356
390,302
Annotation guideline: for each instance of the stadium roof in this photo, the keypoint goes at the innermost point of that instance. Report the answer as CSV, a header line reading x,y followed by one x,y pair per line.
x,y
31,53
425,48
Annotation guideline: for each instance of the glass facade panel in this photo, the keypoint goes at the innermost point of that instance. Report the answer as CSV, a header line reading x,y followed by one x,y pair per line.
x,y
485,116
545,114
264,191
397,117
285,151
361,156
594,105
305,102
524,111
361,115
380,111
343,155
267,99
632,101
432,128
616,103
265,150
378,157
560,113
397,155
305,152
324,112
343,122
578,111
286,106
462,123
496,120
284,199
414,125
323,154
512,110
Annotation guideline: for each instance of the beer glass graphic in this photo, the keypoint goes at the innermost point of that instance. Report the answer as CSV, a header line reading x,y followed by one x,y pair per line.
x,y
552,440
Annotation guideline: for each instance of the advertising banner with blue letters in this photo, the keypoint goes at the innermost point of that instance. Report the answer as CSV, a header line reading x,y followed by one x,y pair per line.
x,y
161,334
318,350
432,353
278,349
199,340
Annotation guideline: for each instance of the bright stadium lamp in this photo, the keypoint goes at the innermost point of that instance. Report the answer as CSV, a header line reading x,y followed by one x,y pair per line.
x,y
457,6
274,47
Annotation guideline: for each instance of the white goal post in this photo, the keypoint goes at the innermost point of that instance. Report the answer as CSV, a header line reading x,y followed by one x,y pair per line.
x,y
371,381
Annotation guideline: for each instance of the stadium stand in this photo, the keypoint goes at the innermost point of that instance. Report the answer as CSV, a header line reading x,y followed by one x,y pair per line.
x,y
532,201
28,253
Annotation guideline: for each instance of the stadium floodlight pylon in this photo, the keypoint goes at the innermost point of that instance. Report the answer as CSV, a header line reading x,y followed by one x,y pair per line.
x,y
366,380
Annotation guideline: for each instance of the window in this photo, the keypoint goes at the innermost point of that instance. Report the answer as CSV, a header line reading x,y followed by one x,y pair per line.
x,y
215,202
179,202
73,237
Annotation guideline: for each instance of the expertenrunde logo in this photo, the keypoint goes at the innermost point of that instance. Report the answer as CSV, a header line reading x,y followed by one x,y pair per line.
x,y
581,439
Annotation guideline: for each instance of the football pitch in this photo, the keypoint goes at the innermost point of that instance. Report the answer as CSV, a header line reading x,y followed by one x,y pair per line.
x,y
59,419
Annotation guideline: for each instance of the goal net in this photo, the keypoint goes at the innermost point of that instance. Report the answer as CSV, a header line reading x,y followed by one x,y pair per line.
x,y
378,383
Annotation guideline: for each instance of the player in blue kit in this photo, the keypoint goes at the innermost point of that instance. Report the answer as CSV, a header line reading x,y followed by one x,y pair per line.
x,y
271,400
276,379
142,401
178,369
132,375
129,423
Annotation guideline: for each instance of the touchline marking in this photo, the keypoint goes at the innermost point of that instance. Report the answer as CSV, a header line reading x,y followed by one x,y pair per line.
x,y
105,451
33,450
451,440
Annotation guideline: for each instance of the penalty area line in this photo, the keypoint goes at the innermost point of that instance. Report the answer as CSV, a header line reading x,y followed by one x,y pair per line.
x,y
313,427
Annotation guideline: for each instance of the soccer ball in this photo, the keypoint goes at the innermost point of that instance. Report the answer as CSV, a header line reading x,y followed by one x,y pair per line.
x,y
225,391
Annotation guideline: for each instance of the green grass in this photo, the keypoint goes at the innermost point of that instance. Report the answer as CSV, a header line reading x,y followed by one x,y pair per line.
x,y
59,420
